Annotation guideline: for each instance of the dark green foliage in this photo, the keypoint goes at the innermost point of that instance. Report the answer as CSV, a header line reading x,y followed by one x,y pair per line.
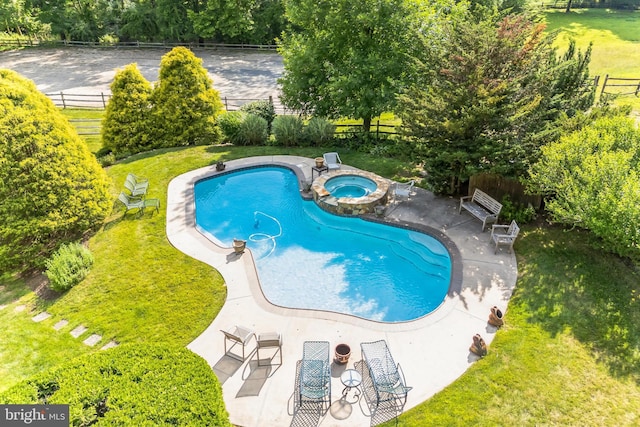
x,y
52,189
516,211
68,266
288,130
261,108
253,131
126,123
230,124
130,385
319,131
185,105
491,91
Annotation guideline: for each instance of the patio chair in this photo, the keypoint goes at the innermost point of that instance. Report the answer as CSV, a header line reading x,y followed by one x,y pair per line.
x,y
137,187
403,190
239,335
386,376
313,377
130,202
269,340
332,160
504,235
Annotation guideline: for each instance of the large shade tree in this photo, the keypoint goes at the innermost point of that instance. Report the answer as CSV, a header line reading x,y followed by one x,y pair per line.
x,y
346,58
52,189
489,95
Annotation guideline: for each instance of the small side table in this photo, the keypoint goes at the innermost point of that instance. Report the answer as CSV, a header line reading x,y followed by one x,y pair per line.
x,y
319,170
351,378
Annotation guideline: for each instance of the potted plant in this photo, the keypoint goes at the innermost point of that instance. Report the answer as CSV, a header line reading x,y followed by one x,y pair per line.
x,y
319,162
342,354
220,165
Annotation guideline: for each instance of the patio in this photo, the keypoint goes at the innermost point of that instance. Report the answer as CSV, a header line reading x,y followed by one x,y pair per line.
x,y
433,351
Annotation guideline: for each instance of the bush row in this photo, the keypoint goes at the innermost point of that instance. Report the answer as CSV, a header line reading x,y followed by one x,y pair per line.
x,y
251,127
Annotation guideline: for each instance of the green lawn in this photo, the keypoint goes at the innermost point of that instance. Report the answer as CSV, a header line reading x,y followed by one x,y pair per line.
x,y
569,353
615,36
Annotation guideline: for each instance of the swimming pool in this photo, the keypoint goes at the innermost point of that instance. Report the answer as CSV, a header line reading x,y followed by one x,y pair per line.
x,y
311,259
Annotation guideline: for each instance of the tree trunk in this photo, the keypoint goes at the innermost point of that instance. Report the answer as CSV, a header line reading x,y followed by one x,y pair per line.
x,y
366,124
568,9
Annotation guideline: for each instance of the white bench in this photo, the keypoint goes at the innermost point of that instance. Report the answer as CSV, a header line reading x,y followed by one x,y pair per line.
x,y
482,206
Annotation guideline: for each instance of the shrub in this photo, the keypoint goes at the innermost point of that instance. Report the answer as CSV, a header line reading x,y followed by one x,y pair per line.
x,y
262,108
52,189
319,131
516,211
126,124
185,105
253,131
230,124
288,130
68,266
136,384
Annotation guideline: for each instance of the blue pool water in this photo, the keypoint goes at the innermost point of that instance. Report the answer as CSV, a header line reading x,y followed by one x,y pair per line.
x,y
350,186
309,258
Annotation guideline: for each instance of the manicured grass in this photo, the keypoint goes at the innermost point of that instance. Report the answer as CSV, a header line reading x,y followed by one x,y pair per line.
x,y
569,353
615,37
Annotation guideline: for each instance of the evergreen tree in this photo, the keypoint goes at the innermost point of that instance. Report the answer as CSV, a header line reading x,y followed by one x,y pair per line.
x,y
490,94
126,123
52,189
185,105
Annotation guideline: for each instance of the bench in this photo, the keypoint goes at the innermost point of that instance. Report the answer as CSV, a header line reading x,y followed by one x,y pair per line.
x,y
482,206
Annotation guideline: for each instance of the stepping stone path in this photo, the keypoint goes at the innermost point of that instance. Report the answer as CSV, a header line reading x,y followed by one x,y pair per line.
x,y
61,324
19,308
2,306
40,317
79,330
92,340
109,345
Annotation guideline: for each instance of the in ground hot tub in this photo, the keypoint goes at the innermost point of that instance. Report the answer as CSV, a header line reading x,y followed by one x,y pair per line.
x,y
350,192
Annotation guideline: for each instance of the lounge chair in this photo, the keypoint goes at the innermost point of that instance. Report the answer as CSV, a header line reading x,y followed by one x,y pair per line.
x,y
313,376
130,202
332,160
386,376
403,190
136,186
239,335
504,235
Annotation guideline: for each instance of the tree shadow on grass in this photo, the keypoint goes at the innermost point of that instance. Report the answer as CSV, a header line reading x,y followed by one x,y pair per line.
x,y
568,284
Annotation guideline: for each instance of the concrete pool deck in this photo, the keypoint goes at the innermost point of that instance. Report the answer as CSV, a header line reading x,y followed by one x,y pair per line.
x,y
433,351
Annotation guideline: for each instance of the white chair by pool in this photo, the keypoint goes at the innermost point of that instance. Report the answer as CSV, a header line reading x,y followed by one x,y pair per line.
x,y
332,160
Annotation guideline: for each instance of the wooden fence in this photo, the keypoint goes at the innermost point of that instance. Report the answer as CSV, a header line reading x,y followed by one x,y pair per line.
x,y
620,86
129,45
498,186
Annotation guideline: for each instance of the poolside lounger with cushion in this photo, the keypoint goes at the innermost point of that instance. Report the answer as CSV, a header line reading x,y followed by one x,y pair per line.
x,y
237,335
386,376
332,160
313,376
